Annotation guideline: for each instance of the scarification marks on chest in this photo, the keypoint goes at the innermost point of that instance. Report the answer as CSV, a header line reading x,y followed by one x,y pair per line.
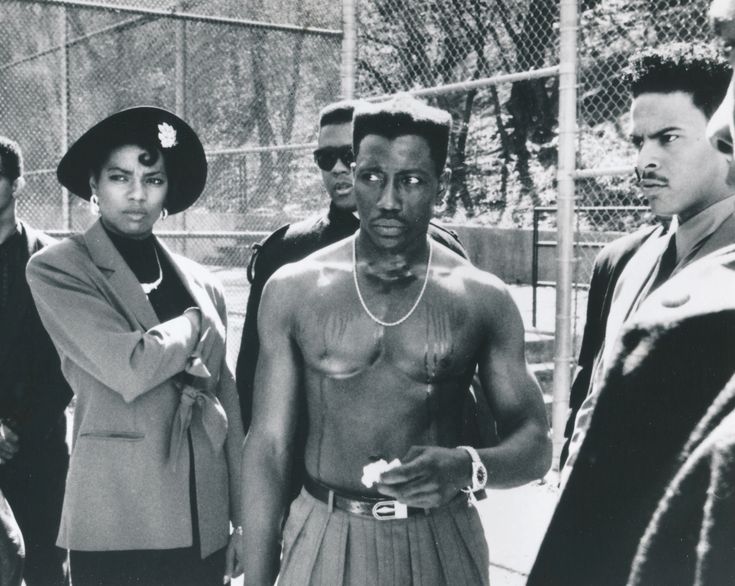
x,y
341,331
439,348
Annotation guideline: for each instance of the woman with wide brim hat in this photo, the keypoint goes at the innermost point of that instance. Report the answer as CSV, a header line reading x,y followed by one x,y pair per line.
x,y
153,480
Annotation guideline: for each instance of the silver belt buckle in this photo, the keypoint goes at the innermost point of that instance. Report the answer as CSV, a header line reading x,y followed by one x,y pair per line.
x,y
386,510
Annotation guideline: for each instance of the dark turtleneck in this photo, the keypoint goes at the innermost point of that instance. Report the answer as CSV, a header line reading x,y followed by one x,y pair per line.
x,y
170,299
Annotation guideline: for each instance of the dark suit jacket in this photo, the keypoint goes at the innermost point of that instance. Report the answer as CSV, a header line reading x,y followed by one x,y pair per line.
x,y
674,358
605,273
33,393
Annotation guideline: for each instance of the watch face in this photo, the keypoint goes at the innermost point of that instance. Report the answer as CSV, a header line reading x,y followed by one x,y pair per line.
x,y
480,475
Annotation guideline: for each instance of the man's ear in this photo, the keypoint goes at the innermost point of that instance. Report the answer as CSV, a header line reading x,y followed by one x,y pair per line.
x,y
444,180
18,186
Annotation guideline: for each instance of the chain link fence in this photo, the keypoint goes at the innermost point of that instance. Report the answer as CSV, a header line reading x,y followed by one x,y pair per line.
x,y
610,31
503,143
250,77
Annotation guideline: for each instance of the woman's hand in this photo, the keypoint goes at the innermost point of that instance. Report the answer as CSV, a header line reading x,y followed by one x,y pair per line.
x,y
233,565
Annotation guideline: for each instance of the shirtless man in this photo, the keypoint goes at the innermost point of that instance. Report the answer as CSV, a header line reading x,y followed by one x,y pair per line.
x,y
377,336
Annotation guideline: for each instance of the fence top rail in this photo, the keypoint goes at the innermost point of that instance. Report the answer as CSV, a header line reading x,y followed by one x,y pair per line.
x,y
174,13
476,83
144,15
603,172
247,150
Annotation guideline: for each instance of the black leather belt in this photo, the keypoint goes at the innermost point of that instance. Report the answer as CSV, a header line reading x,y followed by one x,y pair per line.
x,y
375,508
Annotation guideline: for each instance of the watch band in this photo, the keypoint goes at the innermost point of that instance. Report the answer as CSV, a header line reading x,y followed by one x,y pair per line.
x,y
479,472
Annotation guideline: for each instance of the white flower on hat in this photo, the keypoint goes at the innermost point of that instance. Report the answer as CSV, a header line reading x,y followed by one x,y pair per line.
x,y
166,135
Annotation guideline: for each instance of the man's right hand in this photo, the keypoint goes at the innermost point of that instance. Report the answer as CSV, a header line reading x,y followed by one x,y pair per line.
x,y
8,443
430,476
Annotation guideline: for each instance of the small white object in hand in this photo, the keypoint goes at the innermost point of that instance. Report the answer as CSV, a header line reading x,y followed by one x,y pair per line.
x,y
371,472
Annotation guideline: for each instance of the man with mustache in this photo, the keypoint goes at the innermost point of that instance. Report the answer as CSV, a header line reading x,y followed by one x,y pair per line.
x,y
665,351
293,242
676,88
691,537
375,339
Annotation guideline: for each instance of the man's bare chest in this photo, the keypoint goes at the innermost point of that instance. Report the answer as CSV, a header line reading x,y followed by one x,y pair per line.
x,y
439,340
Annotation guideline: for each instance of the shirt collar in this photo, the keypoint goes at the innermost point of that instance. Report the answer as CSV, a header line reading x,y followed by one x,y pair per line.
x,y
690,233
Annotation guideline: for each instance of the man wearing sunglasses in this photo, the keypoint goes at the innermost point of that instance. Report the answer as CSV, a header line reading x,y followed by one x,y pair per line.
x,y
293,242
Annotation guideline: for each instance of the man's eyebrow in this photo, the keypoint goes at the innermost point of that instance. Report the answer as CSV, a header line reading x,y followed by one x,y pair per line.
x,y
657,134
370,167
412,171
665,130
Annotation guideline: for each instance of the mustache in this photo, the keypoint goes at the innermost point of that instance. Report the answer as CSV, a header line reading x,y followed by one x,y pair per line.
x,y
388,215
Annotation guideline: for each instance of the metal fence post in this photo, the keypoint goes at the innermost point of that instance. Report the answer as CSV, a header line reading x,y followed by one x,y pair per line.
x,y
64,108
563,345
180,73
349,49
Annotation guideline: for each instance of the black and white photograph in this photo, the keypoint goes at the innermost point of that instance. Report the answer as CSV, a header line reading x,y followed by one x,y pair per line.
x,y
367,293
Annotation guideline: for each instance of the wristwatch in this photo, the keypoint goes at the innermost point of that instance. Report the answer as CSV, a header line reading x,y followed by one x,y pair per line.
x,y
479,472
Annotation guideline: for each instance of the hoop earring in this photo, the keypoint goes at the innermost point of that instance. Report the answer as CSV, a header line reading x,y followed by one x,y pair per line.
x,y
164,214
94,204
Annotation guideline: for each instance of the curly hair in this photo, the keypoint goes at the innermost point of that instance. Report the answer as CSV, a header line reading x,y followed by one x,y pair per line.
x,y
11,157
693,68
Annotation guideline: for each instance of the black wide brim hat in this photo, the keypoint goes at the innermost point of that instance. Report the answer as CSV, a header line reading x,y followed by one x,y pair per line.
x,y
183,153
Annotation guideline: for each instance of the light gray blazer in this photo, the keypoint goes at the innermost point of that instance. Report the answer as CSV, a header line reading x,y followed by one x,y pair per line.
x,y
123,491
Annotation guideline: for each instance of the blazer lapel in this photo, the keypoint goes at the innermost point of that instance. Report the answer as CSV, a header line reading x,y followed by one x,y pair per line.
x,y
121,278
634,277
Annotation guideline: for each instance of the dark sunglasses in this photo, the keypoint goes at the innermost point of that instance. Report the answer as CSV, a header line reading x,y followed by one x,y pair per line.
x,y
327,157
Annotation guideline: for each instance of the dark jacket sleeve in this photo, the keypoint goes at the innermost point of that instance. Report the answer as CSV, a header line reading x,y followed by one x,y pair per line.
x,y
48,392
267,257
606,271
594,331
45,393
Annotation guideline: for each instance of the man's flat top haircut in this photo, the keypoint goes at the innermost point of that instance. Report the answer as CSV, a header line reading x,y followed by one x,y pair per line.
x,y
11,157
404,115
694,68
337,113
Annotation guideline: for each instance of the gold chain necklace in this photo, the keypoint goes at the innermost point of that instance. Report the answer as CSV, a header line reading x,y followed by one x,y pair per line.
x,y
362,300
